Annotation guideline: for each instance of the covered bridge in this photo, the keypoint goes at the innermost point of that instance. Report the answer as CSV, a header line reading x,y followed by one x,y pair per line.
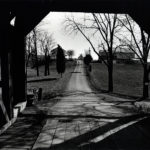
x,y
27,14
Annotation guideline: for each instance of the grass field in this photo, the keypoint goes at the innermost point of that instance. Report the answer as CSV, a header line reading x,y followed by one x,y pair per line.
x,y
55,84
128,78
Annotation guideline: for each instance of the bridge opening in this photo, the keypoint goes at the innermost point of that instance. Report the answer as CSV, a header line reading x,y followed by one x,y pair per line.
x,y
13,77
126,62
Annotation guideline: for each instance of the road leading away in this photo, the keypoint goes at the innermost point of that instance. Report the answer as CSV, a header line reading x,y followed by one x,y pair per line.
x,y
84,119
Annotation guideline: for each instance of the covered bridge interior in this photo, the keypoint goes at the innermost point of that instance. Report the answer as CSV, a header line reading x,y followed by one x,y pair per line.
x,y
27,14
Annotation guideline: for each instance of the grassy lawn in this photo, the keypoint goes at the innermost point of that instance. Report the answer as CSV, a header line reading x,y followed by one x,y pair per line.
x,y
54,85
128,78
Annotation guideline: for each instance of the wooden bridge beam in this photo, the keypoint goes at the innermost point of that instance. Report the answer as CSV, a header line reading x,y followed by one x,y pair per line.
x,y
18,61
5,58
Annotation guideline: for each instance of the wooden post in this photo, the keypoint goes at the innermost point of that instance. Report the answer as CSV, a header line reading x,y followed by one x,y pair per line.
x,y
5,66
18,59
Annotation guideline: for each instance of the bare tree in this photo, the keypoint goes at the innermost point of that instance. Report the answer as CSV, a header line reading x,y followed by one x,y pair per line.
x,y
29,47
104,27
38,41
35,52
47,43
32,48
139,43
70,53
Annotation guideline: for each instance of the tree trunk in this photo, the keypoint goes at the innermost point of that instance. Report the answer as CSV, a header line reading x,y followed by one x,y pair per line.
x,y
48,62
37,69
145,81
36,55
110,76
48,69
45,72
37,65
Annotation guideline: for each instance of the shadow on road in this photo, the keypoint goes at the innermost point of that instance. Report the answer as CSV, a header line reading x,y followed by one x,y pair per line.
x,y
23,133
121,134
41,80
76,72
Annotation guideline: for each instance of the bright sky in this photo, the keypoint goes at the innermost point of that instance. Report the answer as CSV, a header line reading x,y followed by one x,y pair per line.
x,y
53,23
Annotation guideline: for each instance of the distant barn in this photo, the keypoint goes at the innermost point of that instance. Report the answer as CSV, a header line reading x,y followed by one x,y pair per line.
x,y
121,55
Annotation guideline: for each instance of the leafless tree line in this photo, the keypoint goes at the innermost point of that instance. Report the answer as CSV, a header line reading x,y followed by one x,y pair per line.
x,y
39,43
111,32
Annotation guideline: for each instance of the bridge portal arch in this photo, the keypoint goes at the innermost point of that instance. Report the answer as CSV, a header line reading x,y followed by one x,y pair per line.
x,y
27,14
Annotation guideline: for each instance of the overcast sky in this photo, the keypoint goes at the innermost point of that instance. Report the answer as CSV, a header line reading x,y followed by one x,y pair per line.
x,y
53,23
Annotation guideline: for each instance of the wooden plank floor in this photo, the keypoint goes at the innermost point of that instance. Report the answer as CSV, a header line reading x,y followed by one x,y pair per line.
x,y
87,123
